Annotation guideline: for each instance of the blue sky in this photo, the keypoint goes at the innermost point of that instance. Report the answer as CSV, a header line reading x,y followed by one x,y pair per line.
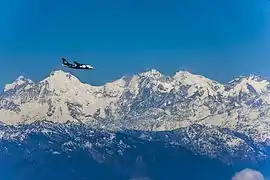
x,y
218,39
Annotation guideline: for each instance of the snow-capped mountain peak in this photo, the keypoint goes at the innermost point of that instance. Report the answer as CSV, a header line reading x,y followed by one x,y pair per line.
x,y
201,114
153,73
146,101
186,78
249,84
60,81
20,81
198,82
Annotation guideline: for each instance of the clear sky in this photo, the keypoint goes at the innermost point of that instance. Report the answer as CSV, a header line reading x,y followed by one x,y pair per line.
x,y
218,39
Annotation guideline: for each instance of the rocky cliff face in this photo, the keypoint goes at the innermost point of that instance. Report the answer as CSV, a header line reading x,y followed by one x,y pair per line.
x,y
207,113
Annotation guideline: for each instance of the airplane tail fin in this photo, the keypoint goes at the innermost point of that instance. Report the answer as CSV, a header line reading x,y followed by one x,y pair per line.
x,y
64,61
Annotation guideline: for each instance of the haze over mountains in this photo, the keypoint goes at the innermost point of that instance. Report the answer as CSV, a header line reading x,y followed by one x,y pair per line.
x,y
225,122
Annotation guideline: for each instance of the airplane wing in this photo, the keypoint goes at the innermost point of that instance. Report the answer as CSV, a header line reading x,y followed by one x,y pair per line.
x,y
77,64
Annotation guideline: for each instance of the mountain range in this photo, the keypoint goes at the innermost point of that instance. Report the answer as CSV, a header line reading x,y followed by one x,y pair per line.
x,y
228,122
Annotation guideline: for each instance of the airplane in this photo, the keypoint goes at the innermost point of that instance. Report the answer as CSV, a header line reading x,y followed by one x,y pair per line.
x,y
76,65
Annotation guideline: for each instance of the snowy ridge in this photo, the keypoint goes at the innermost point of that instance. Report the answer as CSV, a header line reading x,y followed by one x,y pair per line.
x,y
149,101
61,138
20,81
217,143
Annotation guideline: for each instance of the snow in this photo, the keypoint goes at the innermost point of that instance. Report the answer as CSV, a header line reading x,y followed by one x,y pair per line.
x,y
88,145
134,85
72,100
234,142
18,82
196,82
259,86
2,133
153,73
